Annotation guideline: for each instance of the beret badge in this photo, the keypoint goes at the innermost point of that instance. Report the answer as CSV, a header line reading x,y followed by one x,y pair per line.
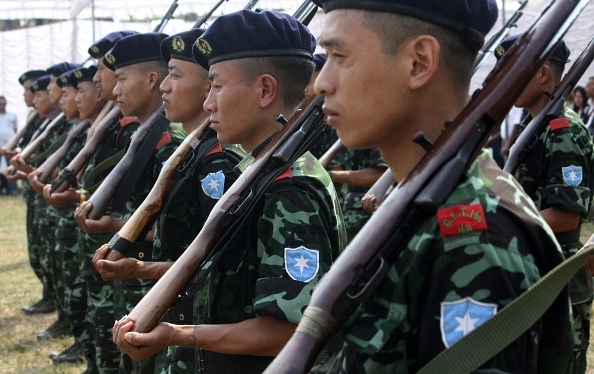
x,y
178,44
64,80
203,46
78,74
94,48
35,87
500,51
23,77
110,58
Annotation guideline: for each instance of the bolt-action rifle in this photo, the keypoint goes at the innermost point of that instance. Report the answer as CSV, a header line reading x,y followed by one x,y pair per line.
x,y
366,260
551,110
166,17
42,135
15,140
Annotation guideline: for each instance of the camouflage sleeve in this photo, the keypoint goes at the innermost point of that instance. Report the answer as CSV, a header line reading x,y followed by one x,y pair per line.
x,y
293,250
376,160
569,156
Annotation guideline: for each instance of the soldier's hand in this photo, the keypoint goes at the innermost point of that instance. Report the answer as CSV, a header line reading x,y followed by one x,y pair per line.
x,y
368,203
111,270
20,164
102,225
34,181
141,345
59,199
8,153
11,174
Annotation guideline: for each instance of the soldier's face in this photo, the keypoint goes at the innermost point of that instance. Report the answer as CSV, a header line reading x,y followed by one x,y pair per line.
x,y
131,89
364,94
184,90
27,94
67,102
42,102
87,100
54,90
105,80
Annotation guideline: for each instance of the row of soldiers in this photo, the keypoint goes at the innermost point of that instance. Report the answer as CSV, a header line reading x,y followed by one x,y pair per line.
x,y
486,244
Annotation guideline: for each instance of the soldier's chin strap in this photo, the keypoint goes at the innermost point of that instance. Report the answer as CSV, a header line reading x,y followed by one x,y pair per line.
x,y
480,345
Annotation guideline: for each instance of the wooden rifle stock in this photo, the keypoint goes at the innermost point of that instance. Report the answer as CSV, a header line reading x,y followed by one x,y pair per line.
x,y
102,197
61,183
329,155
367,259
14,141
30,149
152,204
552,109
280,150
54,159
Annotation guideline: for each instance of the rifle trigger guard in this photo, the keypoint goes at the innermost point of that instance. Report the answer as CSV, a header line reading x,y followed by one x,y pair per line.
x,y
361,290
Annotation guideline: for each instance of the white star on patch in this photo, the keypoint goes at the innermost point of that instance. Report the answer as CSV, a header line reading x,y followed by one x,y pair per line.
x,y
572,176
213,184
466,324
301,263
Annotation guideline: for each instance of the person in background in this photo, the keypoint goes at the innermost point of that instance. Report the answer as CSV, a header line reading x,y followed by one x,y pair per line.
x,y
8,129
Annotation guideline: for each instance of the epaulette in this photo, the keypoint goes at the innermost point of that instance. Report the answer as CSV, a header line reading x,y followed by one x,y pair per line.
x,y
559,123
461,219
287,174
125,121
217,148
165,138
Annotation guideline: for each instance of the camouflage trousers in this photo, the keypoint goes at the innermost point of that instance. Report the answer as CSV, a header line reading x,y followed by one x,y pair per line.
x,y
42,249
127,294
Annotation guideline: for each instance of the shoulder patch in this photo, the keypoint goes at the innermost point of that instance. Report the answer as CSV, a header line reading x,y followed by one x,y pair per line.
x,y
213,185
165,138
285,174
559,123
302,264
572,175
460,219
458,318
125,121
217,148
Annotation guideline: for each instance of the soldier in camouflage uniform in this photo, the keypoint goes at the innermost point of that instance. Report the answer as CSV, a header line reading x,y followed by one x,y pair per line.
x,y
255,284
357,169
191,201
136,61
557,174
401,67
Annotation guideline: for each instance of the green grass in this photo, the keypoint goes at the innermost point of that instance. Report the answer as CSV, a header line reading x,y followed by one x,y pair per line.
x,y
20,350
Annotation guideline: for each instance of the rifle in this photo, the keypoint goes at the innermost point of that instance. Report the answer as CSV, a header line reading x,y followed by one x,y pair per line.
x,y
43,134
551,110
52,161
67,176
381,186
329,155
146,136
14,141
367,259
494,41
166,17
202,20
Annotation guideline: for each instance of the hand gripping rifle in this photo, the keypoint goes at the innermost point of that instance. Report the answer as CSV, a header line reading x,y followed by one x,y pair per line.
x,y
551,110
67,177
14,141
30,148
366,260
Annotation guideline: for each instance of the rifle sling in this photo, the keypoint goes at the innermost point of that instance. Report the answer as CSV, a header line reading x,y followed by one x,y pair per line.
x,y
139,162
47,152
104,165
470,352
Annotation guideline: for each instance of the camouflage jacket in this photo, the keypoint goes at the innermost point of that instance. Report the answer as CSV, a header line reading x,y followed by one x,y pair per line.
x,y
484,246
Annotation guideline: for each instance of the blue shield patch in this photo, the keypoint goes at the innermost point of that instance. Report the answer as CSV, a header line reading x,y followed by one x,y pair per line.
x,y
572,175
460,317
302,264
214,185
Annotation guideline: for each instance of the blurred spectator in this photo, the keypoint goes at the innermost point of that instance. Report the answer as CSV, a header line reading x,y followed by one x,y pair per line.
x,y
8,128
580,105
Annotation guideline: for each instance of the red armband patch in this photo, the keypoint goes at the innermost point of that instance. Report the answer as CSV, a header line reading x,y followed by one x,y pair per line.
x,y
165,138
285,174
125,121
217,148
460,219
559,123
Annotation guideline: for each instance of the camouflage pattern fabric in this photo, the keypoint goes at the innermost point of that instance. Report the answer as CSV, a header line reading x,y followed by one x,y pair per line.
x,y
558,172
352,211
274,261
324,144
485,245
181,222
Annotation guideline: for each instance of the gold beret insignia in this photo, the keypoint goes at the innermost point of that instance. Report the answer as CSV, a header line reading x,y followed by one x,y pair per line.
x,y
500,50
64,80
35,87
110,58
203,46
23,77
178,44
78,74
94,48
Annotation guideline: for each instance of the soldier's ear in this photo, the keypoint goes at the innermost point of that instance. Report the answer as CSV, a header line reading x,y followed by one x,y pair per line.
x,y
423,55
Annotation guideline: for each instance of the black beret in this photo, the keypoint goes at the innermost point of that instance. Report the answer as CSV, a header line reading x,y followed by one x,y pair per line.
x,y
31,74
247,33
319,60
180,45
66,79
40,83
472,19
84,74
134,49
560,54
62,67
100,48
